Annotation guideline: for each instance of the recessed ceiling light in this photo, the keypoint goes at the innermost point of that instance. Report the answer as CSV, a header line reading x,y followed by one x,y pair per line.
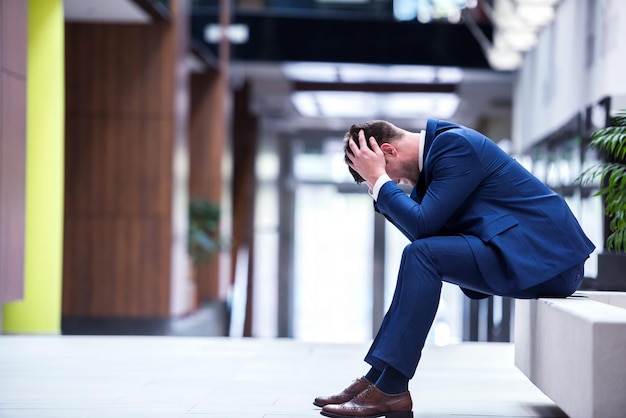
x,y
311,71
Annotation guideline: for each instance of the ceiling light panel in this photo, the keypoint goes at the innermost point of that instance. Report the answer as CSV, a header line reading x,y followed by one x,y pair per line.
x,y
366,73
365,105
311,71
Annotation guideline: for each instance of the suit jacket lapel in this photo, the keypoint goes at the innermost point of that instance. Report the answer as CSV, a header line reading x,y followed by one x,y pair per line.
x,y
434,127
419,190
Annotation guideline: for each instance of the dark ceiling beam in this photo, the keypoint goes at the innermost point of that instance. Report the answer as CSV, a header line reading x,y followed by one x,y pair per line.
x,y
204,54
155,8
280,38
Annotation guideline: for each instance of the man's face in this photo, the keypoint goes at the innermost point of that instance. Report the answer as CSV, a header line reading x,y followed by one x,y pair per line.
x,y
401,166
402,172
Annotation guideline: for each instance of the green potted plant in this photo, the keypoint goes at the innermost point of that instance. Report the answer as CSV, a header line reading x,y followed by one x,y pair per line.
x,y
611,176
203,241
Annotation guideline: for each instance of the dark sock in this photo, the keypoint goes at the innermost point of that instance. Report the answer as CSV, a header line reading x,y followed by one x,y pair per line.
x,y
373,375
392,381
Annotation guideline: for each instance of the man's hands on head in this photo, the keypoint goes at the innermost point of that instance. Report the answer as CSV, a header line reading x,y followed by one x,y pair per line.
x,y
369,163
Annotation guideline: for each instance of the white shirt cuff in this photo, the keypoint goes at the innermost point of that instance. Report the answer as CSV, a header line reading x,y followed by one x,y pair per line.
x,y
379,183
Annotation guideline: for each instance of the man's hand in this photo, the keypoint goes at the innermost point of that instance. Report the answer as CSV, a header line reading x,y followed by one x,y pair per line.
x,y
369,163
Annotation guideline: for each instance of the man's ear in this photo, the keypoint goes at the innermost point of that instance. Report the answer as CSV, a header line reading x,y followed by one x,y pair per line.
x,y
387,148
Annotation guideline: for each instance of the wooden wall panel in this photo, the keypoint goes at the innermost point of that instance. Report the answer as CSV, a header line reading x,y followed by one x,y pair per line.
x,y
13,50
107,270
118,213
12,186
207,137
13,36
119,69
120,136
245,140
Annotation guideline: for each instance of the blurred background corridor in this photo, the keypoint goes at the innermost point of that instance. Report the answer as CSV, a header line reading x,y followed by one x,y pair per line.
x,y
176,167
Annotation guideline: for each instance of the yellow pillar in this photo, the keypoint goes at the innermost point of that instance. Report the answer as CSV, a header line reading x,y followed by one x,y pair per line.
x,y
40,310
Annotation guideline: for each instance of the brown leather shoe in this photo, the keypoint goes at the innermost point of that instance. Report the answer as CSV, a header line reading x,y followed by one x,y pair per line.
x,y
356,387
373,403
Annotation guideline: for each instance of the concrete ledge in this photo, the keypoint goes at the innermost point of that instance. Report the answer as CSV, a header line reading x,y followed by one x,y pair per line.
x,y
574,350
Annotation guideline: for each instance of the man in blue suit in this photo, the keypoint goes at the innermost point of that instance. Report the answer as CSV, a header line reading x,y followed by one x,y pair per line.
x,y
475,218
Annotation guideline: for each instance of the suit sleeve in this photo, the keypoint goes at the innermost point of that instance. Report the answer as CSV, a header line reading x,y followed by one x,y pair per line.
x,y
455,172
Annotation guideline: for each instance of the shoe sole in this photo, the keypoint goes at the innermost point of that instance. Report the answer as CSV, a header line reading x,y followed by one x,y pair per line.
x,y
401,414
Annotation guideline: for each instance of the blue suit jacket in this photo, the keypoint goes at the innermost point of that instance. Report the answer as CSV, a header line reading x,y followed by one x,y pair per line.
x,y
470,187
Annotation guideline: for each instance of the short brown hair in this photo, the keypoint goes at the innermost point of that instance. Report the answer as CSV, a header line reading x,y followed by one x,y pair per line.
x,y
381,130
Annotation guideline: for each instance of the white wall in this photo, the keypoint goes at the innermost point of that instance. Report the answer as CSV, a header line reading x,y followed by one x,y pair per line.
x,y
580,58
607,75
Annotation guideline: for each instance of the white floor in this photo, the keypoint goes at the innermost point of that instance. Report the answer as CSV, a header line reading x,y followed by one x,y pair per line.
x,y
68,377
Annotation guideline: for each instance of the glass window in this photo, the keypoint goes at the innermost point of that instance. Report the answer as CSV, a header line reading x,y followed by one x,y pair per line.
x,y
333,265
